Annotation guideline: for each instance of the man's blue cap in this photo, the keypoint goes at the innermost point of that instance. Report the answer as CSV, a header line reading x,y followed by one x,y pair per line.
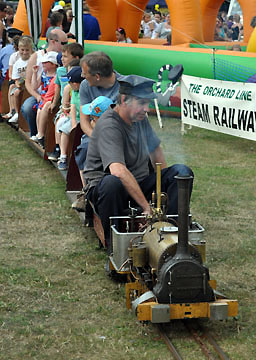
x,y
136,85
97,107
74,75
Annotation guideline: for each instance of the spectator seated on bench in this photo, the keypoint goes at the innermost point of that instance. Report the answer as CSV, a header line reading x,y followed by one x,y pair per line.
x,y
71,55
25,47
69,121
45,84
57,38
94,109
7,113
6,53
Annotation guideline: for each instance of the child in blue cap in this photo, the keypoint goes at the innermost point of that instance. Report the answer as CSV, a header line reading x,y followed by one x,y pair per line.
x,y
68,122
95,109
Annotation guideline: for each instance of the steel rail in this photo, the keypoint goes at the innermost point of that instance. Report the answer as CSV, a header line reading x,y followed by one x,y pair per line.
x,y
199,340
169,343
216,347
201,336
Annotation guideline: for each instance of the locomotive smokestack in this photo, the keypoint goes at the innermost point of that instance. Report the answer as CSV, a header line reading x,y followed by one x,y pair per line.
x,y
183,212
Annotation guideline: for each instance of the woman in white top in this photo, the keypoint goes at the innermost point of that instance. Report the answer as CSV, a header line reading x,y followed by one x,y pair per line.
x,y
148,25
163,29
9,17
121,36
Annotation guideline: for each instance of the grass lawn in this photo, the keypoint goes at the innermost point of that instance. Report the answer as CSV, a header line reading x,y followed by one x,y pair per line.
x,y
56,301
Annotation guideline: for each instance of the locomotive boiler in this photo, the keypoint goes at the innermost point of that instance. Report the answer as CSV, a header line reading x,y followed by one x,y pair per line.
x,y
162,258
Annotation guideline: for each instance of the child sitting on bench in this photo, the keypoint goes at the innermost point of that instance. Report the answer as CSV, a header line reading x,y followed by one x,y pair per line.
x,y
25,47
46,89
95,109
66,123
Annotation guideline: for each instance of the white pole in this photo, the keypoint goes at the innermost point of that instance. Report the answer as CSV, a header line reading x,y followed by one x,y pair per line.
x,y
76,27
231,4
158,114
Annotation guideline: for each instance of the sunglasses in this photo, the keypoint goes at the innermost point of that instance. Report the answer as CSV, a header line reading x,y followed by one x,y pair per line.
x,y
62,42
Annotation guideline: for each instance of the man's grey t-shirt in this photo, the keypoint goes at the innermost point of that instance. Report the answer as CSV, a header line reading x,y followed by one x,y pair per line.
x,y
89,93
114,141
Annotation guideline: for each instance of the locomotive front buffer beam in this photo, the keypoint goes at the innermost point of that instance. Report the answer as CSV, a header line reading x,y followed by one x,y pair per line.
x,y
163,313
146,308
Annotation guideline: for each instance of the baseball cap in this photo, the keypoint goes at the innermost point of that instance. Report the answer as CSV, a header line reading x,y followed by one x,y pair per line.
x,y
11,32
97,107
50,56
57,8
59,61
74,75
136,85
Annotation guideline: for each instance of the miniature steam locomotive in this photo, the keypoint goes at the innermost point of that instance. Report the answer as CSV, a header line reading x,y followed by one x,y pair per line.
x,y
162,258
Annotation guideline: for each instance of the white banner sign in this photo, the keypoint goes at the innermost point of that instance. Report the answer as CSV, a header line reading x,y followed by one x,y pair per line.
x,y
224,106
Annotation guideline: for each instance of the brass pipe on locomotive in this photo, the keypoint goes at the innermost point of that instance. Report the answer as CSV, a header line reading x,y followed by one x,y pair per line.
x,y
158,198
158,186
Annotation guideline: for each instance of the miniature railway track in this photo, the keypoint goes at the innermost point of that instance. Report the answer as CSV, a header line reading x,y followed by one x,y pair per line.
x,y
206,342
169,343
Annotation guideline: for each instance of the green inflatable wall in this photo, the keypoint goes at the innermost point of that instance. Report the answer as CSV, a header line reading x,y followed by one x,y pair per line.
x,y
146,61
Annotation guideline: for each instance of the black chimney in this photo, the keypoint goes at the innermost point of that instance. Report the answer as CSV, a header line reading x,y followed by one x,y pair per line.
x,y
183,213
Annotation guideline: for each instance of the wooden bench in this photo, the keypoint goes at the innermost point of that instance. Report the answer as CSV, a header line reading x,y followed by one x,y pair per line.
x,y
97,224
73,180
50,141
23,125
5,108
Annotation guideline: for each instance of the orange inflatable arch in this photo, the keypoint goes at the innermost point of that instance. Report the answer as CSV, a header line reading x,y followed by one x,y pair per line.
x,y
210,8
20,19
192,20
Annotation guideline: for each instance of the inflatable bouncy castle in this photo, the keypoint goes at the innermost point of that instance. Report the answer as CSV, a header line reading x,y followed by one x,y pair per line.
x,y
192,20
